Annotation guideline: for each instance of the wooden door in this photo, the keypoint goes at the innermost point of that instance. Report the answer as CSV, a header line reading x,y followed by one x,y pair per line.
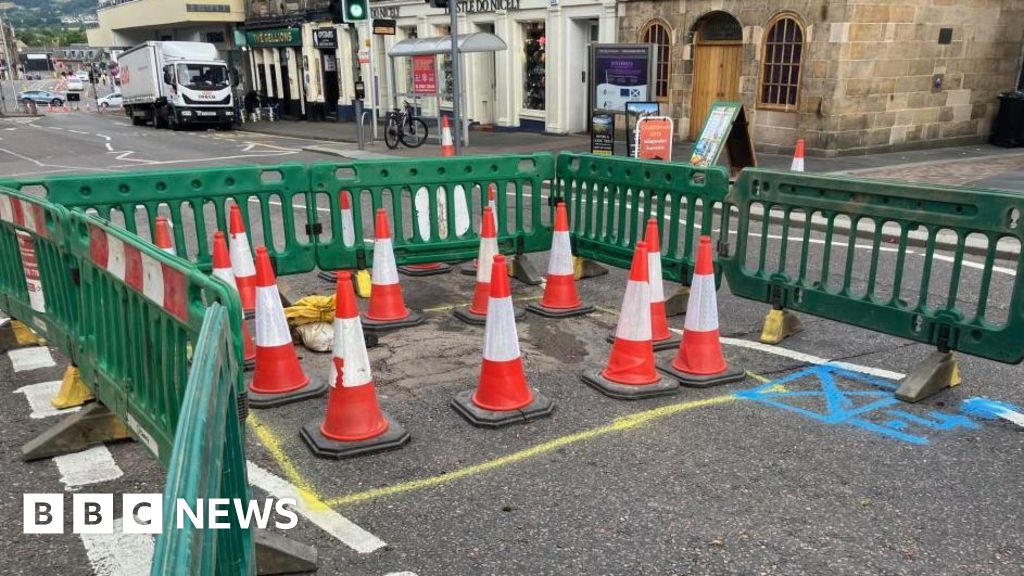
x,y
716,76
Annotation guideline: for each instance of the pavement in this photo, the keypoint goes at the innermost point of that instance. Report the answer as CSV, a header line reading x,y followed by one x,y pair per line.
x,y
779,474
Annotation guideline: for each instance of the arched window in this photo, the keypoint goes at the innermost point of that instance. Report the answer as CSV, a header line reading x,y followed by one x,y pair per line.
x,y
783,55
657,33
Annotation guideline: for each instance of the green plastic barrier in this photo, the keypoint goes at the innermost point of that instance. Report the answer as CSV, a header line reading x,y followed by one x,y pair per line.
x,y
273,200
208,432
610,198
140,318
433,205
37,273
894,296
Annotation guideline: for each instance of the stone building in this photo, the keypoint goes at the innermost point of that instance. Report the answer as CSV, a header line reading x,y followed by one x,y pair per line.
x,y
848,76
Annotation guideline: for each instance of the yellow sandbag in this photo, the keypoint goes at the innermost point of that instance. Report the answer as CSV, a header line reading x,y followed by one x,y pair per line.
x,y
310,309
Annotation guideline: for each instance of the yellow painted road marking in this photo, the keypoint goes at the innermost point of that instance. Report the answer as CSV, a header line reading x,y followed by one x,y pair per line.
x,y
269,440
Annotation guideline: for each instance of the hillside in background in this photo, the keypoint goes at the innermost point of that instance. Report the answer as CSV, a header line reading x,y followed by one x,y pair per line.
x,y
38,22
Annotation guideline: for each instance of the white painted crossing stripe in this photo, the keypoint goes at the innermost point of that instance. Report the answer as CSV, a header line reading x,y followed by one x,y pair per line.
x,y
119,554
39,395
87,467
635,317
330,521
31,358
810,358
560,258
384,269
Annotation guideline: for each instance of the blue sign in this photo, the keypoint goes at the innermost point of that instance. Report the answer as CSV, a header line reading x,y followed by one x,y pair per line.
x,y
620,73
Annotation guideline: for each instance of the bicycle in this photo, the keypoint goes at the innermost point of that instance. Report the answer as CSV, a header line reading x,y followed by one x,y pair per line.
x,y
401,126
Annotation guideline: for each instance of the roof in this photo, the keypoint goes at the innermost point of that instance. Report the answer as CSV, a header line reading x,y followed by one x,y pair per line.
x,y
477,42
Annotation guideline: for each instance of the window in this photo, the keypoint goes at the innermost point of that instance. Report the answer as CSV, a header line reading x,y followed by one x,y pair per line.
x,y
535,66
783,54
215,37
657,33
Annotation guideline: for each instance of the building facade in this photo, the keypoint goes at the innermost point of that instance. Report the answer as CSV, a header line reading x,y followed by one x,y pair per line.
x,y
848,76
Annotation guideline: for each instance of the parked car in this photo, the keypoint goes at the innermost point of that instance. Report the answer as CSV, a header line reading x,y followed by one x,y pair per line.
x,y
41,97
35,76
112,100
75,84
82,75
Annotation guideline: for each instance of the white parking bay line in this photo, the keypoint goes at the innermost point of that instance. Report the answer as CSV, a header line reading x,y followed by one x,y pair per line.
x,y
39,395
87,467
318,513
32,358
811,359
119,554
401,574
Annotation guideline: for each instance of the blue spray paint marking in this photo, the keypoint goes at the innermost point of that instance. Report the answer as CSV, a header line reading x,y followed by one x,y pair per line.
x,y
850,406
988,409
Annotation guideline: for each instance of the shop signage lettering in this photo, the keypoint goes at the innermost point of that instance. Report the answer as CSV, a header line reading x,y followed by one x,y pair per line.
x,y
654,138
385,12
274,37
424,74
384,27
485,6
325,38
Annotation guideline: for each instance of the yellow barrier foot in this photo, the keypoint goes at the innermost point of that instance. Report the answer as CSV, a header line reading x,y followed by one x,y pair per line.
x,y
73,392
364,283
276,554
677,303
779,325
94,424
585,268
15,334
522,269
938,372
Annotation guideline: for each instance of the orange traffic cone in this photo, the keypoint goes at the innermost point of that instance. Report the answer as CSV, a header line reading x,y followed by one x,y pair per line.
x,y
560,298
354,424
798,157
502,395
699,362
476,313
162,235
630,373
241,261
492,193
222,270
387,307
278,378
348,231
447,144
661,336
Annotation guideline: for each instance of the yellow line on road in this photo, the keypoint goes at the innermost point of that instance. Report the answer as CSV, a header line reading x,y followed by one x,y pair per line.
x,y
270,441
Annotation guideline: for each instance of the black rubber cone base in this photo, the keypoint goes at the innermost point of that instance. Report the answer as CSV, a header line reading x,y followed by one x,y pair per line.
x,y
331,277
663,387
669,343
250,365
377,326
536,308
443,269
249,314
315,388
463,313
463,404
324,447
727,376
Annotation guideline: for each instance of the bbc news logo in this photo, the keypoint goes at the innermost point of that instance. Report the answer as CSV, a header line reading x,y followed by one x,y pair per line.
x,y
144,513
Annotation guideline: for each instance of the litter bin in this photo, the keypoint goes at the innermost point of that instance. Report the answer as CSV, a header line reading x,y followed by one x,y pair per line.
x,y
1008,128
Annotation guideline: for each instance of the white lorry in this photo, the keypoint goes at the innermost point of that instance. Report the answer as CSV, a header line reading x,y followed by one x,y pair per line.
x,y
175,85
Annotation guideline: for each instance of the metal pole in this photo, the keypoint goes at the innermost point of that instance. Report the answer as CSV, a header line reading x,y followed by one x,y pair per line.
x,y
7,59
453,9
357,104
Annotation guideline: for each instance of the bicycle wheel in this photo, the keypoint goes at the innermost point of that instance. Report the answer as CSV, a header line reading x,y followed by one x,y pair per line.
x,y
415,133
391,134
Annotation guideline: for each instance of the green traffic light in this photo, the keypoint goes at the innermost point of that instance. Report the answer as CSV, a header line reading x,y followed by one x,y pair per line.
x,y
356,11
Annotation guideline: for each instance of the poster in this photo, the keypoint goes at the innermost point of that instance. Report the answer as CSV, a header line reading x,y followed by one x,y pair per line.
x,y
424,74
33,281
654,138
602,134
635,111
620,73
712,137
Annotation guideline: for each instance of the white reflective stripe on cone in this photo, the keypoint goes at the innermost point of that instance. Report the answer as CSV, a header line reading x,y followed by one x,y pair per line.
x,y
654,275
115,257
384,269
797,165
501,341
348,228
241,256
6,212
422,202
462,222
560,261
485,258
337,350
271,325
170,251
357,359
153,280
635,316
226,275
702,309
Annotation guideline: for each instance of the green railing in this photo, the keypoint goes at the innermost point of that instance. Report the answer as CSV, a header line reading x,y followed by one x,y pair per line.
x,y
868,275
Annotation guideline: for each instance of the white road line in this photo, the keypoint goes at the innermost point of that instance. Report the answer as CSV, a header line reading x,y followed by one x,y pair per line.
x,y
104,136
810,359
31,358
330,521
87,467
54,128
39,395
401,574
109,147
76,131
119,554
977,265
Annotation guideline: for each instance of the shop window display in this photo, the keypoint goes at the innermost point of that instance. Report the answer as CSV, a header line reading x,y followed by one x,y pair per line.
x,y
535,73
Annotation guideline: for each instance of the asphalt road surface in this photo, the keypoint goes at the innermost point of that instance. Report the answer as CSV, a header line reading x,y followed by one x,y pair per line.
x,y
774,475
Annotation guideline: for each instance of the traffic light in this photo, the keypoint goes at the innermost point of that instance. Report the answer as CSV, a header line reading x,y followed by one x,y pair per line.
x,y
355,10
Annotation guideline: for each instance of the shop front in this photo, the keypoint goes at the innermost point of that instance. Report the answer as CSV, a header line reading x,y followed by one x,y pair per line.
x,y
276,60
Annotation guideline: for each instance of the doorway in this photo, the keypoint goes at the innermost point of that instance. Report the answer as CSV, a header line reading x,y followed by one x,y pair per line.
x,y
482,67
717,58
285,95
329,65
582,33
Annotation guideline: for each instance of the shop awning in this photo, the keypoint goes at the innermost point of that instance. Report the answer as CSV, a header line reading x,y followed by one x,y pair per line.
x,y
477,42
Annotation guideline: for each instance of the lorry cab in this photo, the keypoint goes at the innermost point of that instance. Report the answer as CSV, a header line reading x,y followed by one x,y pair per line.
x,y
199,92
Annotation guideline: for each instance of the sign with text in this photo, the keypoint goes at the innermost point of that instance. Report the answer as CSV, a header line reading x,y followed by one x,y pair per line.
x,y
725,129
635,111
620,73
384,27
486,6
325,38
602,134
274,37
654,138
33,281
379,12
424,74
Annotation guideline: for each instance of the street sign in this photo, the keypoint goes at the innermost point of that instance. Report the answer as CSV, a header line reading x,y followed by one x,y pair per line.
x,y
424,74
654,138
384,27
724,129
